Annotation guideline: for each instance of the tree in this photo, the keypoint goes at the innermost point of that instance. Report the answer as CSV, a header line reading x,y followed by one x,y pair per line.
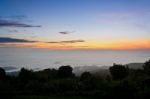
x,y
25,75
90,82
85,75
146,67
118,72
2,73
46,74
65,72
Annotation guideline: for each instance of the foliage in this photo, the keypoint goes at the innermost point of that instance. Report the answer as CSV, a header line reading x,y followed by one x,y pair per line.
x,y
62,83
147,67
118,72
2,73
25,75
65,72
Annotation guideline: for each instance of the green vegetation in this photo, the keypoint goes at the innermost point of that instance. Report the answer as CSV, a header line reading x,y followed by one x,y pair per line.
x,y
122,83
118,72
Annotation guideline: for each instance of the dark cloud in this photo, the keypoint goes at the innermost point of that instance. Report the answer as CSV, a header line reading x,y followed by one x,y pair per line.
x,y
70,41
10,23
53,42
14,40
15,21
66,32
73,41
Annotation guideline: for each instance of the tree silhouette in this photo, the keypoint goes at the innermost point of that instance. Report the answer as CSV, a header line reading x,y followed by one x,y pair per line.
x,y
65,72
2,73
25,75
85,76
118,72
54,82
146,67
46,74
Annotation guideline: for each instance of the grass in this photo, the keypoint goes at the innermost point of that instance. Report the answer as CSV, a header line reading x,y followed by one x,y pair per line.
x,y
49,97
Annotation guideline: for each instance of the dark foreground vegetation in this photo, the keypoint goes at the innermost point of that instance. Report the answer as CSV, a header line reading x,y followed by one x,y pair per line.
x,y
122,83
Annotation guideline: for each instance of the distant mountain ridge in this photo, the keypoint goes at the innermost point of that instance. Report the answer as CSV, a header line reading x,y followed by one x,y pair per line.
x,y
103,70
135,65
100,70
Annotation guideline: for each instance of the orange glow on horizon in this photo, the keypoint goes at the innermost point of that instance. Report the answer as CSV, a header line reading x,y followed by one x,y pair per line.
x,y
145,44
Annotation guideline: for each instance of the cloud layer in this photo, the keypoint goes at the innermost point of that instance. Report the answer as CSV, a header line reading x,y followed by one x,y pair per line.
x,y
14,40
69,41
10,23
15,21
66,32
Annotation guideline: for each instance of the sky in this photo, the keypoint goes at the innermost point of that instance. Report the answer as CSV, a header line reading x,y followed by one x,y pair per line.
x,y
75,24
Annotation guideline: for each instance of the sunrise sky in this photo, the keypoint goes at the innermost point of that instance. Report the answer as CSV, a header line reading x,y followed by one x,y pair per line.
x,y
75,24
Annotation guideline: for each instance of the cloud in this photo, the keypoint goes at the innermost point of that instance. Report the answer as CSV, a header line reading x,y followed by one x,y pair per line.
x,y
14,40
66,32
72,41
69,41
53,42
15,21
10,23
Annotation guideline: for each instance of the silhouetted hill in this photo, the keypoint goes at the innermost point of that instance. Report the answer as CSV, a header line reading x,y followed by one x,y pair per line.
x,y
116,82
98,70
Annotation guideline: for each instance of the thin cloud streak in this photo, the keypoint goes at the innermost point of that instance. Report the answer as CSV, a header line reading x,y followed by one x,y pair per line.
x,y
9,23
66,32
15,21
70,41
14,40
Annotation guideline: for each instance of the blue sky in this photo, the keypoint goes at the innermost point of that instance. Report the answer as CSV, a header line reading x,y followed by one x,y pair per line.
x,y
100,23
